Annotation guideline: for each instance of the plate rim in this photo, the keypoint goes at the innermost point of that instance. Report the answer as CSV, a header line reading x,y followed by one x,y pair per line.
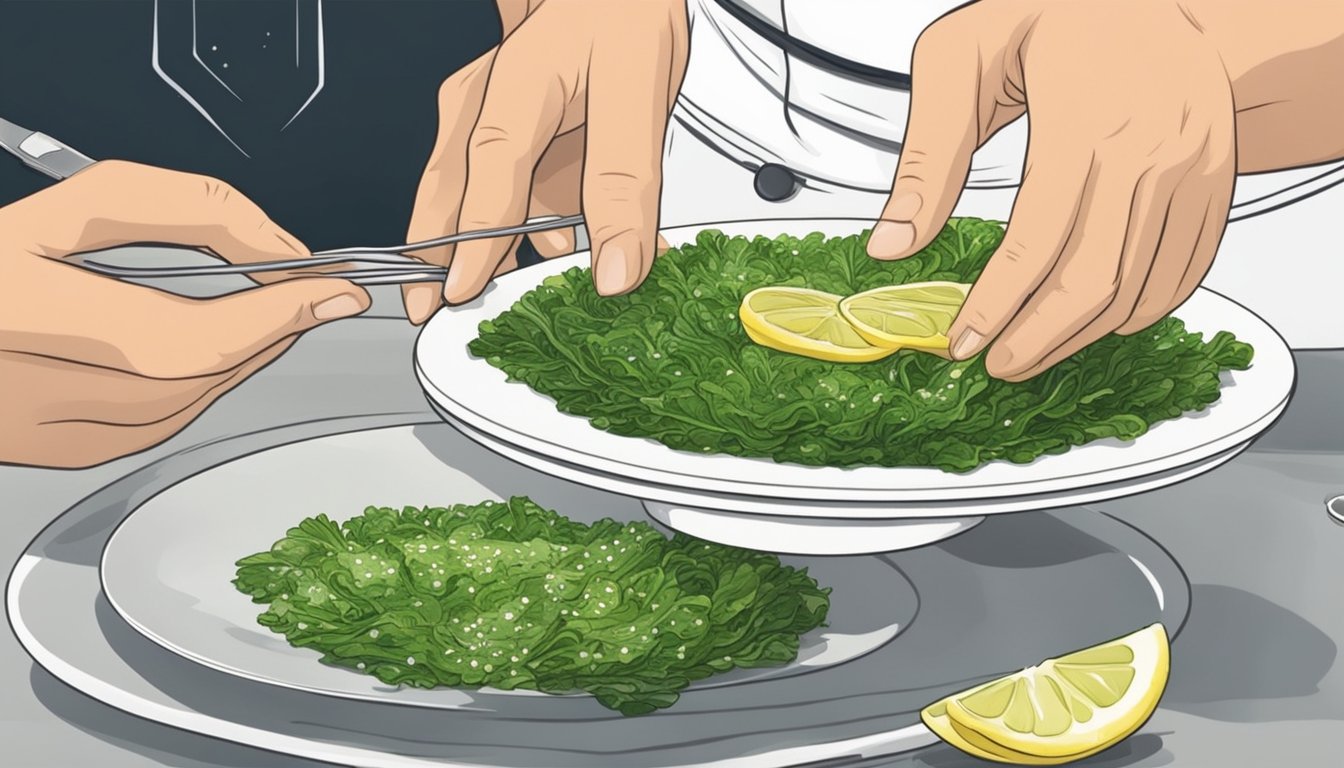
x,y
859,510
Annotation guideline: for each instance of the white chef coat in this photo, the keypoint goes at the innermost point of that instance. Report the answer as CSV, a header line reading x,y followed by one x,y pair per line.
x,y
821,89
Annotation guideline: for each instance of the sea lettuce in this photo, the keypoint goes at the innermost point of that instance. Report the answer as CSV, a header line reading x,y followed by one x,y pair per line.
x,y
670,361
513,596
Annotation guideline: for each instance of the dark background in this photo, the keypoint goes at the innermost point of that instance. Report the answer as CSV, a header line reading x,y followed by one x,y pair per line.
x,y
343,173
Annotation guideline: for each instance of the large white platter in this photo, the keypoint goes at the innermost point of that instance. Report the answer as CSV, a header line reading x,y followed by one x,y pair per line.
x,y
471,392
1013,591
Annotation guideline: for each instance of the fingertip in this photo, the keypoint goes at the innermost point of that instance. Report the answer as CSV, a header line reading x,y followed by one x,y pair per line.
x,y
610,277
267,241
290,244
1138,324
618,266
1014,367
966,343
999,362
420,300
891,240
326,299
460,290
340,306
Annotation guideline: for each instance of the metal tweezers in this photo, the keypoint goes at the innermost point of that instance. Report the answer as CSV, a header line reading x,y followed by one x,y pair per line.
x,y
390,266
386,264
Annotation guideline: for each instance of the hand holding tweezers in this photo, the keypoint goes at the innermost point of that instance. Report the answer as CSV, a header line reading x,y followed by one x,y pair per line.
x,y
60,161
389,264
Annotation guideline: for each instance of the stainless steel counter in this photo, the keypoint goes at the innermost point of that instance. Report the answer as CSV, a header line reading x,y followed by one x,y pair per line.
x,y
1254,678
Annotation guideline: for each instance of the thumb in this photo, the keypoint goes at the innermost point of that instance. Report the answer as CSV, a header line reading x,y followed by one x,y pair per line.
x,y
241,325
941,135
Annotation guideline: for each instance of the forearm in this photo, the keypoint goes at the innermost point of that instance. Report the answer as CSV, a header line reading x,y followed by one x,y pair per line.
x,y
1285,60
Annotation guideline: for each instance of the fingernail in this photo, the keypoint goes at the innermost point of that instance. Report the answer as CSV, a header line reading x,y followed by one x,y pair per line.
x,y
967,344
890,239
616,265
344,305
893,234
421,301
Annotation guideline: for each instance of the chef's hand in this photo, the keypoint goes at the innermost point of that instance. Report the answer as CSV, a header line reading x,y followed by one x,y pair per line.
x,y
92,368
1128,175
569,112
1141,112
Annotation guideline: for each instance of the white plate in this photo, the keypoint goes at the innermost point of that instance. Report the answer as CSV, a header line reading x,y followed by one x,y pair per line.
x,y
477,394
816,528
176,556
1002,596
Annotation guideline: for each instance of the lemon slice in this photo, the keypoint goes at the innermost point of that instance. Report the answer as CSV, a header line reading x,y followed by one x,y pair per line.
x,y
805,322
910,316
1063,709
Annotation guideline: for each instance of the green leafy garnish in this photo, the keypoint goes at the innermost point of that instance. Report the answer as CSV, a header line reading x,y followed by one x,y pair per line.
x,y
513,596
670,361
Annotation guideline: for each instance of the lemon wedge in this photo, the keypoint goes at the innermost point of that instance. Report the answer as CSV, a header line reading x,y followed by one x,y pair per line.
x,y
1063,709
910,316
805,322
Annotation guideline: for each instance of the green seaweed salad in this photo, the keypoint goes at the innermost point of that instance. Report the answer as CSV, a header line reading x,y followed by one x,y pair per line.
x,y
513,596
670,361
